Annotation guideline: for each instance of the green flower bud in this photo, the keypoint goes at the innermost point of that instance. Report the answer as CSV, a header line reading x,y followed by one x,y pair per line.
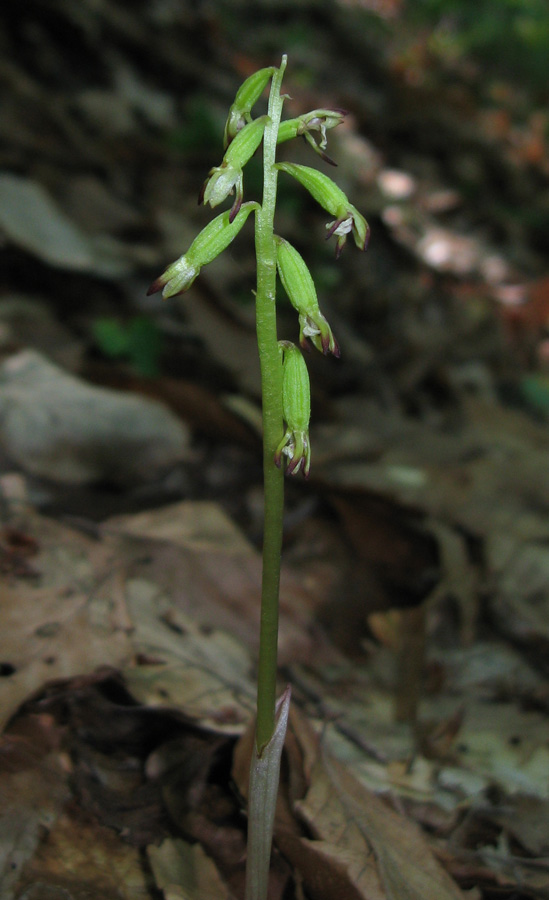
x,y
334,201
176,279
223,179
212,240
299,286
322,189
245,143
296,404
319,120
247,95
218,234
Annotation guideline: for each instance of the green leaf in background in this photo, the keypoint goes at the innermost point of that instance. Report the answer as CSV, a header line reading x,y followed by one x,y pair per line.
x,y
199,131
535,392
139,341
111,337
510,36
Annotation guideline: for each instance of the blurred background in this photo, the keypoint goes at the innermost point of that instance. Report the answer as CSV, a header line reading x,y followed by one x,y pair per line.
x,y
415,557
112,115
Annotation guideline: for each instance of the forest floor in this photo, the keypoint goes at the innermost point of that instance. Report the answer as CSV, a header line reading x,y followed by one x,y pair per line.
x,y
415,586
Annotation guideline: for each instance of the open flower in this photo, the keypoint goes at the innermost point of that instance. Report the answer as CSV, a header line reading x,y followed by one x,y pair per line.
x,y
349,220
295,445
299,286
224,179
209,243
308,125
296,404
176,279
221,182
247,95
315,327
333,200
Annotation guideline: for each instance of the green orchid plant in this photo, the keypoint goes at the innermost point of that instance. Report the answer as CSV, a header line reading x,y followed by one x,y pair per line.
x,y
284,376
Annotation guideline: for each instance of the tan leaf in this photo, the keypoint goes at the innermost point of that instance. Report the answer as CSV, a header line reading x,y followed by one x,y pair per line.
x,y
62,622
372,851
184,872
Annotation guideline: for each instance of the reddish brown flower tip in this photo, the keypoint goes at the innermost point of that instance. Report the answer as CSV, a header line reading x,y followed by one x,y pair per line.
x,y
156,286
309,140
235,209
293,466
327,159
333,228
329,344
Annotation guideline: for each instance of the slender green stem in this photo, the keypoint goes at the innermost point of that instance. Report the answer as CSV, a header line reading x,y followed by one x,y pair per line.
x,y
271,386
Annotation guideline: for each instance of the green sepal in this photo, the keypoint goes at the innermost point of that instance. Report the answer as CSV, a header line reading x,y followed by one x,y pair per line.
x,y
218,234
296,393
221,182
247,95
246,142
320,186
223,179
296,404
298,283
207,245
334,201
295,276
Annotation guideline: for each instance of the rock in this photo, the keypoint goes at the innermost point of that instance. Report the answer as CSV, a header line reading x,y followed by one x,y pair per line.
x,y
27,321
31,219
55,426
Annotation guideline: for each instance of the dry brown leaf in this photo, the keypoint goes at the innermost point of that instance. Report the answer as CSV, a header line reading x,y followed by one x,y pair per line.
x,y
206,672
176,589
62,622
374,851
194,526
527,818
85,859
33,791
184,872
488,476
325,869
212,574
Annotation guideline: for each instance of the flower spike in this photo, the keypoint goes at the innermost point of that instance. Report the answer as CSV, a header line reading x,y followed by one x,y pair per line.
x,y
334,201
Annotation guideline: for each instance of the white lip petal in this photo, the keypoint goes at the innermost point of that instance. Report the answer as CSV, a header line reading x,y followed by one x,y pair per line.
x,y
310,329
343,228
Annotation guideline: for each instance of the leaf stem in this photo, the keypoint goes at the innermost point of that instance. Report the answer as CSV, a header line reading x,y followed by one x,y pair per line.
x,y
271,386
